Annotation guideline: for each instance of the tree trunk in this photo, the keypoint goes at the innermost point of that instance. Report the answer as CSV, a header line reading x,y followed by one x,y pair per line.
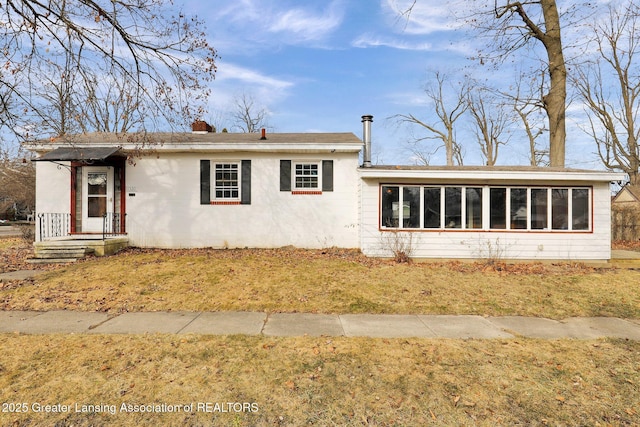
x,y
555,100
449,149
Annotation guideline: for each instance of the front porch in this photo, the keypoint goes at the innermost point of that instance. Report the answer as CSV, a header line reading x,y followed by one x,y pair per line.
x,y
96,203
58,242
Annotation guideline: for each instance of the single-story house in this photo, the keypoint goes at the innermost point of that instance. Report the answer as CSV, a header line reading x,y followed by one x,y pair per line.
x,y
310,190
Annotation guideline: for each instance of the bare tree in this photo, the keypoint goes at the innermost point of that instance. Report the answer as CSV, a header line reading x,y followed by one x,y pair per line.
x,y
218,119
491,122
614,109
110,105
248,116
162,54
528,108
58,111
513,24
449,104
84,100
17,186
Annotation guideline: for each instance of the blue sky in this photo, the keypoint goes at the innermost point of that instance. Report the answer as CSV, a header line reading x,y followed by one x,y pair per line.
x,y
318,66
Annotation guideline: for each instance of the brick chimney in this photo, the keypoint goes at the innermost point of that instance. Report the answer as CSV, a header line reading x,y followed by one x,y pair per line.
x,y
200,126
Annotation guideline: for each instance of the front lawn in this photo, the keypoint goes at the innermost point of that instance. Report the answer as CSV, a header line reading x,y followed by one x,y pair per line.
x,y
324,281
199,380
261,381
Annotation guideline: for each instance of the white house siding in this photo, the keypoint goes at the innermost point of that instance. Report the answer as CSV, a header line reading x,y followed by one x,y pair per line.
x,y
534,245
52,180
164,210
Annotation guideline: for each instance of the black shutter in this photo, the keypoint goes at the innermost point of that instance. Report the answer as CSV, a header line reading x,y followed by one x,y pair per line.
x,y
327,175
205,182
246,182
285,175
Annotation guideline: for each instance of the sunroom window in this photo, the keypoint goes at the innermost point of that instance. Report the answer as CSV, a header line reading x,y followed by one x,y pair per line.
x,y
539,209
411,207
453,207
390,206
473,205
432,203
498,204
580,208
519,208
560,209
485,208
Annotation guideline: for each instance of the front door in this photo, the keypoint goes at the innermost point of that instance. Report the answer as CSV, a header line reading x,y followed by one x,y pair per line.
x,y
97,197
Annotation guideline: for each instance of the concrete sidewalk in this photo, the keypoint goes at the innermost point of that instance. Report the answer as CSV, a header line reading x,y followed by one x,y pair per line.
x,y
301,324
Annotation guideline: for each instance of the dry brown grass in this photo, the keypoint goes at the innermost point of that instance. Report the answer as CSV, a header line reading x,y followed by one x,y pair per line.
x,y
321,381
330,281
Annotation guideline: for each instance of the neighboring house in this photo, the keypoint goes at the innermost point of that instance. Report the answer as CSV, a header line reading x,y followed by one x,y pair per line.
x,y
625,208
627,196
309,190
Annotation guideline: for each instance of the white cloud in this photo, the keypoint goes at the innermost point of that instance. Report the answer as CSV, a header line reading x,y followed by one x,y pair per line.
x,y
263,22
424,16
429,26
233,80
249,77
307,25
370,40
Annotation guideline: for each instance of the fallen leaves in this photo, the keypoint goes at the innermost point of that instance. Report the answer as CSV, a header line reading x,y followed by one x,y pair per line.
x,y
464,403
626,245
519,268
268,345
14,255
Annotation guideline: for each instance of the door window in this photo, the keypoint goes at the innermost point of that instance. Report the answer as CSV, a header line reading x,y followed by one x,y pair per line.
x,y
96,194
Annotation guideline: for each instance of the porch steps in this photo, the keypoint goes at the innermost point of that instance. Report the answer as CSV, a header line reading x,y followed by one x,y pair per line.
x,y
40,261
72,249
61,251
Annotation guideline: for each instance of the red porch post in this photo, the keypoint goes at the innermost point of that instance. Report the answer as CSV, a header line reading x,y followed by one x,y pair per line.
x,y
123,196
74,174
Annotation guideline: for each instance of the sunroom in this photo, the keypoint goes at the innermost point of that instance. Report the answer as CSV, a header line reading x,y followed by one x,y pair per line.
x,y
480,212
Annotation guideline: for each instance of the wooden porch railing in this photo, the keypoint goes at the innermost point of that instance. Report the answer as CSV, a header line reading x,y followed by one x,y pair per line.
x,y
52,225
113,224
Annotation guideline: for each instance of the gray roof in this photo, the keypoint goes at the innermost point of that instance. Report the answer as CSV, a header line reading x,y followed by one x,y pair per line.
x,y
80,154
476,168
107,139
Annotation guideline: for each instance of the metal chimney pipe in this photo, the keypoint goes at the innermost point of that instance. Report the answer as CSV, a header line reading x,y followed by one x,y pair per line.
x,y
366,138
